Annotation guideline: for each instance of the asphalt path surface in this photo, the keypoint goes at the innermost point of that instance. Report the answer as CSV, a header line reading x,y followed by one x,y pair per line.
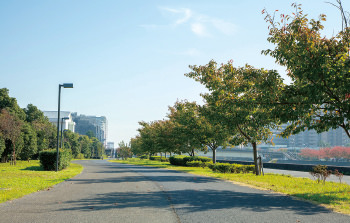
x,y
112,192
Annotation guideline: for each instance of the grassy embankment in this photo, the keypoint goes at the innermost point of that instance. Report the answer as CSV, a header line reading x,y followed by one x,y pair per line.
x,y
28,177
332,195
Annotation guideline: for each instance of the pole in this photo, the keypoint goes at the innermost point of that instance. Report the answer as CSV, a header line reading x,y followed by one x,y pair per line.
x,y
62,132
58,124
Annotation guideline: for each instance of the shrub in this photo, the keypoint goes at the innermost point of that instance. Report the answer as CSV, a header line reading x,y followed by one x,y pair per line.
x,y
143,157
80,156
221,167
196,158
184,160
177,160
158,158
153,157
48,159
338,174
320,173
198,163
231,168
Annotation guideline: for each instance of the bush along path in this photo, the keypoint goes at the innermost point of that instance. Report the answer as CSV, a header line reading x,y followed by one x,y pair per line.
x,y
333,195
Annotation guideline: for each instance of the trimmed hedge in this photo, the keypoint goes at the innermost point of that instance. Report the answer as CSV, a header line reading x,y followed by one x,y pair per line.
x,y
177,160
159,158
144,157
48,159
231,168
199,163
185,160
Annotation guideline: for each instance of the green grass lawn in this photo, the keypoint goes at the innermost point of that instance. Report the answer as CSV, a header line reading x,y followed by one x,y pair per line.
x,y
28,177
332,195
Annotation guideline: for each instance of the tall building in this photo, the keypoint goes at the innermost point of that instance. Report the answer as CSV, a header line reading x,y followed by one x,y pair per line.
x,y
96,124
66,121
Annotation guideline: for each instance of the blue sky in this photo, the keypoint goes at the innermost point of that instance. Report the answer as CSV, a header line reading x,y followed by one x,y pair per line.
x,y
127,59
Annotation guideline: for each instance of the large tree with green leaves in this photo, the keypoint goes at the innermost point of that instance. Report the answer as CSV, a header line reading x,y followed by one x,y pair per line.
x,y
85,145
319,96
71,140
148,137
136,146
198,127
215,132
29,141
188,126
242,99
10,104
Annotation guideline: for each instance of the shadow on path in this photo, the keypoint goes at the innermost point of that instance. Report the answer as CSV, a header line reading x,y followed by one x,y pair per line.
x,y
197,201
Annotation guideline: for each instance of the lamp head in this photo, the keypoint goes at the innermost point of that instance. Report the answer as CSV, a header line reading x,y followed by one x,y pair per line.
x,y
67,85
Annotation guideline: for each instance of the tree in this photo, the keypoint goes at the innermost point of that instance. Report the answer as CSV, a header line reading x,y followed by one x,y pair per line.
x,y
10,127
215,133
10,104
319,67
45,131
33,114
46,134
85,145
72,142
242,99
97,148
124,150
198,127
90,134
188,126
29,142
136,146
2,145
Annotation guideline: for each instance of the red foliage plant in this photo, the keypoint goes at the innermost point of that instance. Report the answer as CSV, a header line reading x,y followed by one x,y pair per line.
x,y
338,152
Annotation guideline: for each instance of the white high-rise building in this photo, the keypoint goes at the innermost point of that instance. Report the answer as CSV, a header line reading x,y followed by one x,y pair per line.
x,y
66,121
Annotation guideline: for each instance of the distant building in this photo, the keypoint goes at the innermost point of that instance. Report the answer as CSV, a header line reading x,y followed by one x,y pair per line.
x,y
96,124
110,150
66,119
110,145
310,138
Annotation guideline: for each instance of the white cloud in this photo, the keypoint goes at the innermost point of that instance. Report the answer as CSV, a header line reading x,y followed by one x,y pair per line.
x,y
201,25
185,14
199,29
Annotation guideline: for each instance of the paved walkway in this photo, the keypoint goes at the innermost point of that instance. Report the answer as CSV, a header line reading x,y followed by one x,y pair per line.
x,y
112,192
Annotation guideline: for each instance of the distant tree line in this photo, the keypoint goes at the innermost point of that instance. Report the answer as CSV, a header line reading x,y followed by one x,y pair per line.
x,y
244,104
25,132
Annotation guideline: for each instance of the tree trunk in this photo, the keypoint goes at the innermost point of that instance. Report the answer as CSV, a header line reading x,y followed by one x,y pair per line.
x,y
14,153
161,155
214,155
255,153
192,152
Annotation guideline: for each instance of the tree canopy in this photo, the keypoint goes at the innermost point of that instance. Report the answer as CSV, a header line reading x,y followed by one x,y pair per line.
x,y
242,98
319,67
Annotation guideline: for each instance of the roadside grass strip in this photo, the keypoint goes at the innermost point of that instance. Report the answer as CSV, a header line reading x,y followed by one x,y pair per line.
x,y
332,195
28,177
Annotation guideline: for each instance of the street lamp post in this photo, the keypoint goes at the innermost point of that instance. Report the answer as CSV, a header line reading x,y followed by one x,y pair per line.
x,y
64,118
66,85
